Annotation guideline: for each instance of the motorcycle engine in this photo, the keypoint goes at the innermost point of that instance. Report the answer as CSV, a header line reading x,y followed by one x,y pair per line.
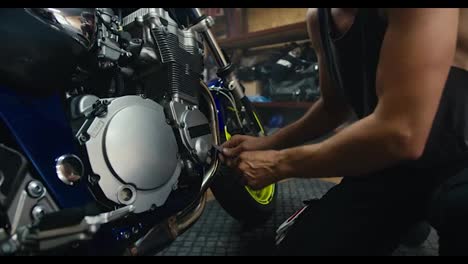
x,y
141,141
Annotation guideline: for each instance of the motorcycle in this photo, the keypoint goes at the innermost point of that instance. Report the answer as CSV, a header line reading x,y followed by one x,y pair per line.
x,y
108,131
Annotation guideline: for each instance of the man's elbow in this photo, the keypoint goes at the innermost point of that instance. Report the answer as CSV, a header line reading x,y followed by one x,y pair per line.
x,y
413,152
408,145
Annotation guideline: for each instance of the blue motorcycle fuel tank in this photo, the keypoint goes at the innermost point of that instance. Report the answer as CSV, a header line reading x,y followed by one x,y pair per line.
x,y
40,47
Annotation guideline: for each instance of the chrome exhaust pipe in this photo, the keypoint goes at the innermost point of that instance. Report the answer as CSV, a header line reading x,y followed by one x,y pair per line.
x,y
185,219
163,234
211,172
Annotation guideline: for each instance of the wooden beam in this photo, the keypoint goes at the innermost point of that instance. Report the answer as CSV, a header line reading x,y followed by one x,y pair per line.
x,y
235,21
288,33
285,104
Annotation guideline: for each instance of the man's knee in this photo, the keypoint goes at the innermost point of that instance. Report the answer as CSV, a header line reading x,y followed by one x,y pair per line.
x,y
451,227
450,205
448,214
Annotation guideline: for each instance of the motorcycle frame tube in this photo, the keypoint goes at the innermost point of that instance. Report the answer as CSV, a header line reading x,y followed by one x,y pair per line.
x,y
211,172
231,80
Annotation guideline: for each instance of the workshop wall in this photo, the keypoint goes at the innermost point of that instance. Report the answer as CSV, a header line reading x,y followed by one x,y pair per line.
x,y
266,18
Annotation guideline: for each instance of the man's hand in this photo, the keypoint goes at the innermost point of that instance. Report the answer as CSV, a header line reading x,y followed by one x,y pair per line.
x,y
259,169
240,143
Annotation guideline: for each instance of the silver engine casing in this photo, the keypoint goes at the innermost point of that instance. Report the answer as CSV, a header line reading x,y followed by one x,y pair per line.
x,y
182,50
165,43
135,153
132,148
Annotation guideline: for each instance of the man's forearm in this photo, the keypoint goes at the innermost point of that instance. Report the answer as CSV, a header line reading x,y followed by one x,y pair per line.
x,y
315,123
363,147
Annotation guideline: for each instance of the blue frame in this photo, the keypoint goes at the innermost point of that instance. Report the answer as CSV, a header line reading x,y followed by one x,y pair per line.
x,y
41,129
217,83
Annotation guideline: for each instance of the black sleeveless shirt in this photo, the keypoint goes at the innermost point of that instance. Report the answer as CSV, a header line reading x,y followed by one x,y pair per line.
x,y
352,59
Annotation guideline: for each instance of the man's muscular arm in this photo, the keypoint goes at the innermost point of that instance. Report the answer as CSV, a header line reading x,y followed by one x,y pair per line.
x,y
416,55
326,114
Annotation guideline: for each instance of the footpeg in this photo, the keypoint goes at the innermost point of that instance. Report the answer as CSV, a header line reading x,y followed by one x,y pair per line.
x,y
32,239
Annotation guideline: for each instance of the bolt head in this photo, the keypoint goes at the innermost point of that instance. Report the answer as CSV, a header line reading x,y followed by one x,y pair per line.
x,y
35,189
38,212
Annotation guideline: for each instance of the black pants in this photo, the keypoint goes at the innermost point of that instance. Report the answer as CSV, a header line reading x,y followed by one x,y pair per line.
x,y
369,215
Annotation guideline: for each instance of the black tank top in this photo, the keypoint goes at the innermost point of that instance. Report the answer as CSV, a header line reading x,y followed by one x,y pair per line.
x,y
352,60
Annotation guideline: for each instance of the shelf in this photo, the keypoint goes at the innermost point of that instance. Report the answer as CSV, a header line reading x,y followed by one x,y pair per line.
x,y
288,33
291,105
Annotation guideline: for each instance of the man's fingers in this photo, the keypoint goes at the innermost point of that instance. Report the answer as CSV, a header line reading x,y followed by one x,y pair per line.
x,y
233,142
231,162
233,152
221,158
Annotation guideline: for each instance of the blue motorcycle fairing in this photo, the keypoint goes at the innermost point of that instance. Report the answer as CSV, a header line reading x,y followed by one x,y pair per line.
x,y
218,83
41,129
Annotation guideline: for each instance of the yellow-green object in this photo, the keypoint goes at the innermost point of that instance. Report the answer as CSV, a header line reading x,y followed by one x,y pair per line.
x,y
263,196
259,123
226,133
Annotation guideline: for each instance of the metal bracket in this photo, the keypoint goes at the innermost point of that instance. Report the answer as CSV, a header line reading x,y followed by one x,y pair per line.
x,y
98,109
203,25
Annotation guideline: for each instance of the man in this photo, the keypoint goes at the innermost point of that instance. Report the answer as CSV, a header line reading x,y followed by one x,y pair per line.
x,y
403,73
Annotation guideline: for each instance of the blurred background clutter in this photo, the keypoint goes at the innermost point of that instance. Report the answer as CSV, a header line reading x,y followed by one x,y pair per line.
x,y
273,58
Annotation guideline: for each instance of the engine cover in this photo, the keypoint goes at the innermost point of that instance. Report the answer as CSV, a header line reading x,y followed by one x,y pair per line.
x,y
134,151
194,129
